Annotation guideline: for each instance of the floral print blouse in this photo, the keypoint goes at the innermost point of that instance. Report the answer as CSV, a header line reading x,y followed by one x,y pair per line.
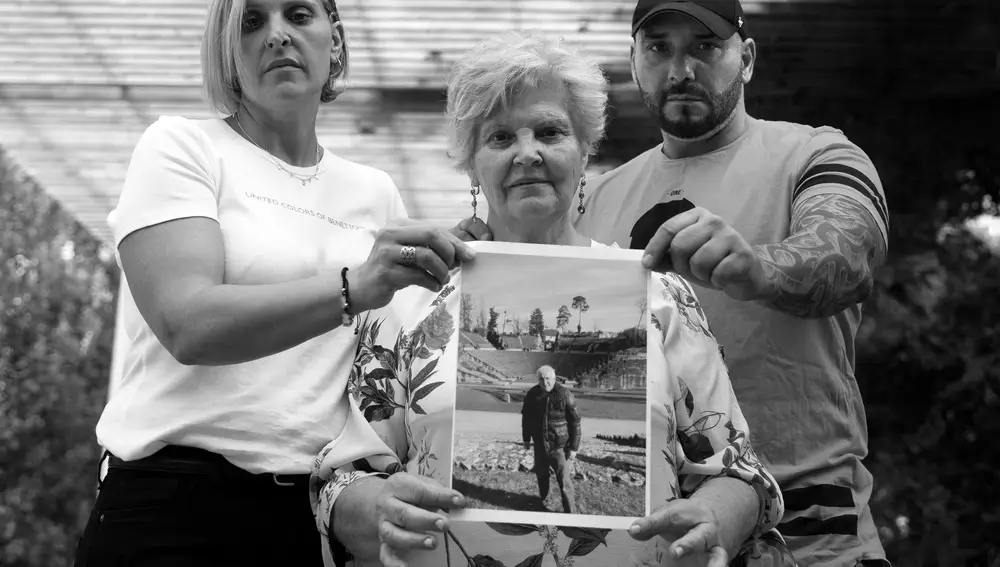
x,y
402,388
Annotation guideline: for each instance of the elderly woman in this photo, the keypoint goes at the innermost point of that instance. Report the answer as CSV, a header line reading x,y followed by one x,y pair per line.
x,y
526,112
248,250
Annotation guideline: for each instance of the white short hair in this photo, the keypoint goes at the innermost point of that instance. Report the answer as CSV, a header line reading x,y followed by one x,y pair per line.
x,y
487,77
221,63
546,369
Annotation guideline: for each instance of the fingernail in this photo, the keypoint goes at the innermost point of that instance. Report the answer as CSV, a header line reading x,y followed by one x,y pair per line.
x,y
456,500
678,551
429,542
439,524
647,261
634,529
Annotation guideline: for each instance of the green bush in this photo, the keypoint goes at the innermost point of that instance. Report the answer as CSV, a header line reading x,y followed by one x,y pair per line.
x,y
57,297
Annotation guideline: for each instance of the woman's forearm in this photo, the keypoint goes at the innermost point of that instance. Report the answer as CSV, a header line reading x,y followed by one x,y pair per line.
x,y
736,507
230,324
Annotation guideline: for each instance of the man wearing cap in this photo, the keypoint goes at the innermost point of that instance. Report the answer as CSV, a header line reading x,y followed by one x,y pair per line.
x,y
783,226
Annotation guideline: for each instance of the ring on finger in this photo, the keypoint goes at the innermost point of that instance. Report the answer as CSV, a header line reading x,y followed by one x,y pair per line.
x,y
408,255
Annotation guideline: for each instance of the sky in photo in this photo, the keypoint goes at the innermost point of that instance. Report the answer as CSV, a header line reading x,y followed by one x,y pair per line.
x,y
519,284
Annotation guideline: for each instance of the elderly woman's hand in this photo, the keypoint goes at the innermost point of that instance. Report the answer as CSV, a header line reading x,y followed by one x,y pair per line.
x,y
408,511
693,530
472,228
404,255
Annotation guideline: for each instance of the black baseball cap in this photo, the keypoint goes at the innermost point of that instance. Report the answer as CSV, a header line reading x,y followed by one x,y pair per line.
x,y
721,17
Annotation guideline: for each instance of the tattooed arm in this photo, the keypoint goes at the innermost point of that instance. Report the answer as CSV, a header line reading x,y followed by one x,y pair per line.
x,y
829,261
825,265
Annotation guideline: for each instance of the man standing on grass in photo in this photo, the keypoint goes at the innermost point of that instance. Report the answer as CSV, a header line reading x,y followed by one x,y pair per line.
x,y
550,419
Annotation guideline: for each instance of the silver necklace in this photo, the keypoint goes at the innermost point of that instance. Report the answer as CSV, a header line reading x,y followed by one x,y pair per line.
x,y
277,163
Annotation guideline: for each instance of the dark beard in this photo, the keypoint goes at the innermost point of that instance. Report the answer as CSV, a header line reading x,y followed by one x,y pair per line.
x,y
720,107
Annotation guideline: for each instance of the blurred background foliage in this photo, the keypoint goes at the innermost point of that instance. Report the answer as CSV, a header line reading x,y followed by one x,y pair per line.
x,y
928,352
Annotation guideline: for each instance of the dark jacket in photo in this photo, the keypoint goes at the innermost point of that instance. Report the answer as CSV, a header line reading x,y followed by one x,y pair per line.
x,y
551,420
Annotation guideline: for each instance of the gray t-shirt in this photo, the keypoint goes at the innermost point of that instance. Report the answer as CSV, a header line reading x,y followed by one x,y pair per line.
x,y
794,378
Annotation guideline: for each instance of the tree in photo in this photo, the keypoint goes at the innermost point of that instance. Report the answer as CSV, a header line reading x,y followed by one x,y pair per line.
x,y
481,318
580,304
517,324
536,323
467,309
492,336
562,318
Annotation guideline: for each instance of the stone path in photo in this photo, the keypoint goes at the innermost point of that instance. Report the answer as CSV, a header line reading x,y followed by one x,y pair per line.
x,y
491,422
598,460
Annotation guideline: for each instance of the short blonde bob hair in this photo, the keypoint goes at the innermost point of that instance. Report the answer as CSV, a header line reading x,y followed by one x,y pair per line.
x,y
485,79
222,65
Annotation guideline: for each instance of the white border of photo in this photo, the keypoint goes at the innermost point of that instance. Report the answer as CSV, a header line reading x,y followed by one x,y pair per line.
x,y
599,254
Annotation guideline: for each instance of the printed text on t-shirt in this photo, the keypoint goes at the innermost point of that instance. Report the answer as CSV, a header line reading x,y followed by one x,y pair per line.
x,y
303,211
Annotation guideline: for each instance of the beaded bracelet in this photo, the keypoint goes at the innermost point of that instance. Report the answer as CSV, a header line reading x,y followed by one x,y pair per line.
x,y
346,318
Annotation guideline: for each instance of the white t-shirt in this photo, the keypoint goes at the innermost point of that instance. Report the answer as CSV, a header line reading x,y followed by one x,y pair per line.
x,y
275,413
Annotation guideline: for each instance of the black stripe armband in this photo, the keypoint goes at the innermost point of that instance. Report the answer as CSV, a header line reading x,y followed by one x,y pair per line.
x,y
825,495
846,524
846,176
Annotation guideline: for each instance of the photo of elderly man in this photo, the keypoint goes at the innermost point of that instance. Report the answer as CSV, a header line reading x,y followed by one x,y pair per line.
x,y
550,422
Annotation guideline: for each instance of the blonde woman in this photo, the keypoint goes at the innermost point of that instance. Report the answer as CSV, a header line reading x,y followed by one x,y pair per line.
x,y
248,249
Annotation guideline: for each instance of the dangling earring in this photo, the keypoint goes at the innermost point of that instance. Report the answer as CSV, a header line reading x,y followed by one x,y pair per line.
x,y
474,191
583,183
331,80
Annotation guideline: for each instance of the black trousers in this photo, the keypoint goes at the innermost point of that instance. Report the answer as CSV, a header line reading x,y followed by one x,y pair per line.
x,y
554,462
189,507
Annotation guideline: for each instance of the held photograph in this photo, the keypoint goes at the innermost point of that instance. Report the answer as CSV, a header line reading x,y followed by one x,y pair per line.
x,y
551,404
